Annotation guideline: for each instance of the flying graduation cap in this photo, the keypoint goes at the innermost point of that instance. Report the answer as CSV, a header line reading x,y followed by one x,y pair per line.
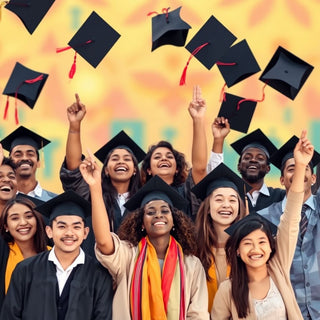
x,y
92,41
209,44
169,28
24,84
30,12
286,73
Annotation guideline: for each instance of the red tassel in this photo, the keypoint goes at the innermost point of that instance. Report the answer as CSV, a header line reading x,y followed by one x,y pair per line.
x,y
193,53
152,12
254,100
39,78
16,115
62,49
6,109
73,67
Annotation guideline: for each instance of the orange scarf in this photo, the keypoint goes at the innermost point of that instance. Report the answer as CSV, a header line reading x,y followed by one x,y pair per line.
x,y
153,296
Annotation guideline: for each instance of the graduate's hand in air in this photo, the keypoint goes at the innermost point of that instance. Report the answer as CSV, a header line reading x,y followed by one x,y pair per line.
x,y
197,106
76,111
304,149
220,128
90,171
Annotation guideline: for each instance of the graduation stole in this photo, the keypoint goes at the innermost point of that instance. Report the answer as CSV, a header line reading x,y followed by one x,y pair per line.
x,y
212,284
152,296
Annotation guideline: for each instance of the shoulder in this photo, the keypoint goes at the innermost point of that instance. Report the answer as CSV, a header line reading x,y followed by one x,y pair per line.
x,y
35,261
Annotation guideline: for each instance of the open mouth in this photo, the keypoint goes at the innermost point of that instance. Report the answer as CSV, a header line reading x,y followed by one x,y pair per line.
x,y
256,256
225,213
159,223
121,169
164,165
24,231
6,189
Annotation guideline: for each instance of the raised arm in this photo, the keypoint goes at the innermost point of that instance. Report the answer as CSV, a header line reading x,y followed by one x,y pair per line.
x,y
199,155
75,113
220,129
100,222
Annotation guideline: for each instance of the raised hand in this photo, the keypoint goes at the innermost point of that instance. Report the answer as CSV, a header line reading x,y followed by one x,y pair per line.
x,y
303,151
76,111
90,171
197,106
220,128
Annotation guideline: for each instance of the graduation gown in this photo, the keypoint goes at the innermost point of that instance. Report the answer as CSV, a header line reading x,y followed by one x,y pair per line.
x,y
4,254
32,292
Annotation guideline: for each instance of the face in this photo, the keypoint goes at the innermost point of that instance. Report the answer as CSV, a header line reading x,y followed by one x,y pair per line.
x,y
157,219
162,163
26,160
67,233
21,223
288,171
253,165
254,249
120,166
224,206
8,183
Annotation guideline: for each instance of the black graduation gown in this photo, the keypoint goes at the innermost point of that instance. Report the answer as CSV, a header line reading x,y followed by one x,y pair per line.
x,y
4,254
33,289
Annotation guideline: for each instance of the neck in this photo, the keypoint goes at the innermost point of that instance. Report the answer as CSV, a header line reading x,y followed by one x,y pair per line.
x,y
121,187
161,245
255,186
307,195
26,185
66,258
222,236
257,274
27,248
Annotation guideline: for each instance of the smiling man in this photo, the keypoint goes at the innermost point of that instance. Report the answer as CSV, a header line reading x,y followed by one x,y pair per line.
x,y
69,284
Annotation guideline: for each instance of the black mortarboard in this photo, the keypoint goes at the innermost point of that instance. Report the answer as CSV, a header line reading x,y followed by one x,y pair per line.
x,y
238,63
23,136
239,111
169,28
156,189
219,40
255,139
286,152
221,177
94,39
25,84
250,223
286,73
30,12
121,140
68,203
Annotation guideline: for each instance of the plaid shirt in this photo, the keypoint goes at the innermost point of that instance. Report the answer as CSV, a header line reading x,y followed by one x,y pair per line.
x,y
305,268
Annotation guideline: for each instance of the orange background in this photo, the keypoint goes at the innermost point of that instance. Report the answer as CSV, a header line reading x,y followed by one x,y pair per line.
x,y
138,90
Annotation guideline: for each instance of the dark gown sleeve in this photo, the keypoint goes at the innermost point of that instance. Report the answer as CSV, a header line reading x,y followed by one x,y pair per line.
x,y
4,253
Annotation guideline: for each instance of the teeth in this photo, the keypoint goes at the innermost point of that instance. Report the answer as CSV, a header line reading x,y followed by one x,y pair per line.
x,y
24,230
225,213
256,256
164,165
7,189
25,165
121,169
159,223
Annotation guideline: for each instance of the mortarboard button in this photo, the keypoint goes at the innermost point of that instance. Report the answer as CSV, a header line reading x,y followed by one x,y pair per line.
x,y
169,28
121,140
238,63
285,153
251,222
255,139
209,44
156,189
286,73
92,41
23,136
24,84
221,177
30,12
239,111
68,203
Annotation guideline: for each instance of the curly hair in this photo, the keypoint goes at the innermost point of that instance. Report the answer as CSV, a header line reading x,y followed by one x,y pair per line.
x,y
40,238
206,234
108,189
183,231
182,166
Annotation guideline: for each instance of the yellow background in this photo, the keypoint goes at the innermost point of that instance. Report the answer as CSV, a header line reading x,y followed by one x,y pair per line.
x,y
138,90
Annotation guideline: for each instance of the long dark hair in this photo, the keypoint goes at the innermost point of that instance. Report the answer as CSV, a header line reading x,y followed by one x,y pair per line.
x,y
206,234
108,189
238,274
182,166
39,239
131,229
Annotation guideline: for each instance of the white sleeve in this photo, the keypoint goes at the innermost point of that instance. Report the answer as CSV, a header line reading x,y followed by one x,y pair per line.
x,y
214,160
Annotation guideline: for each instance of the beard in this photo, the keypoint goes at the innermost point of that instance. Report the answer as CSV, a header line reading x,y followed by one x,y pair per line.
x,y
250,178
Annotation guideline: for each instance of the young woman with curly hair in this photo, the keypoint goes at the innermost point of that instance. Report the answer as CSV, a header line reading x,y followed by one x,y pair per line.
x,y
222,194
151,259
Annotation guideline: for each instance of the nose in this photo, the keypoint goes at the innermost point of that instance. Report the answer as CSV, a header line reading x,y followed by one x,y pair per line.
x,y
23,221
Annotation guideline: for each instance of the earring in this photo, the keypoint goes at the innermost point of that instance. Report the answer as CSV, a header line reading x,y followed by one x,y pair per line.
x,y
7,230
173,228
142,229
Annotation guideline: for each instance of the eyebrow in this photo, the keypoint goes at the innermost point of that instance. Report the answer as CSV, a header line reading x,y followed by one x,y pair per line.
x,y
64,223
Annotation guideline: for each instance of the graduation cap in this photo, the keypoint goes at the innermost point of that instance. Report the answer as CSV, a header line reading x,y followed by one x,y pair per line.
x,y
239,111
92,41
30,12
221,177
209,44
121,141
156,189
68,203
169,28
24,84
238,63
285,153
23,136
286,73
255,139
